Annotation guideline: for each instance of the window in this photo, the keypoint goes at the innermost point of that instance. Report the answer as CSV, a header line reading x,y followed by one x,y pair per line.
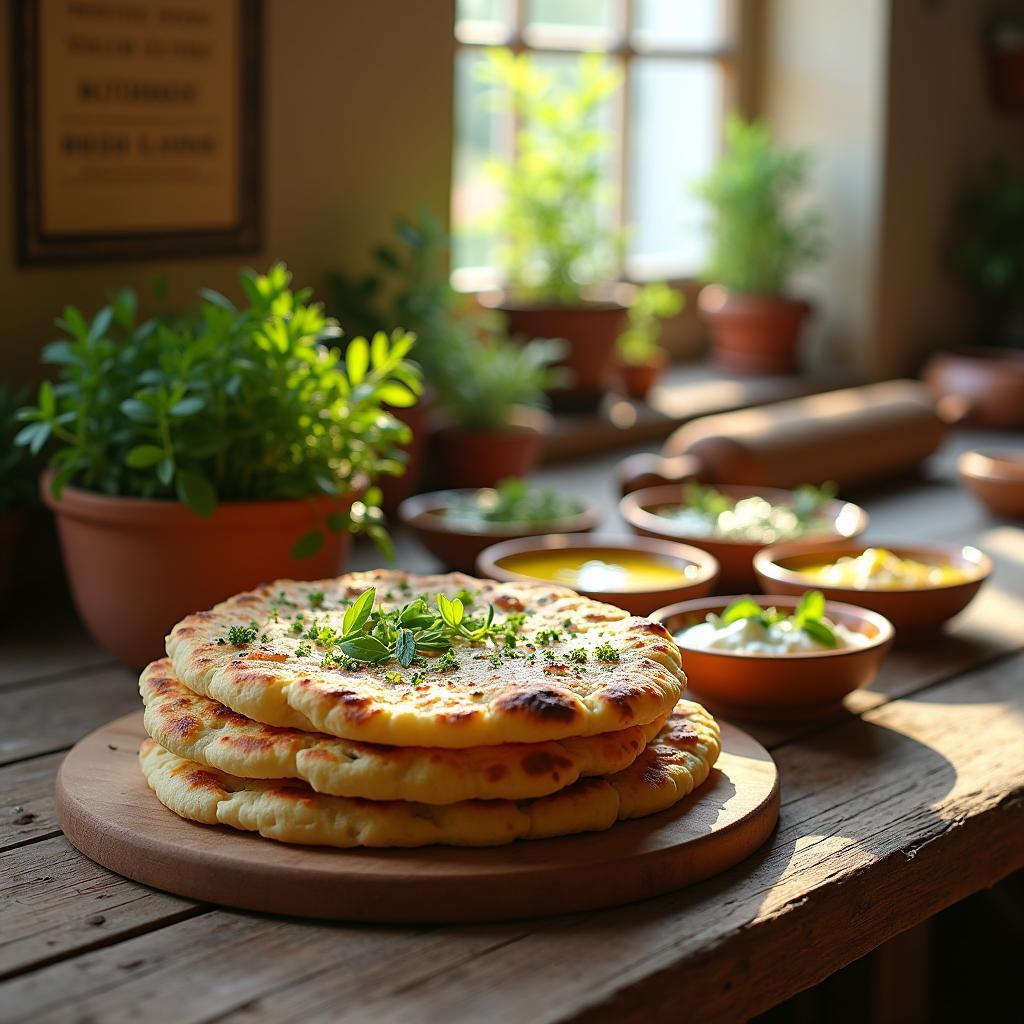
x,y
679,60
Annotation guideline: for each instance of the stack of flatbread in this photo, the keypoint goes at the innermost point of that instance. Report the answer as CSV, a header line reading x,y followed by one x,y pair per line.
x,y
368,710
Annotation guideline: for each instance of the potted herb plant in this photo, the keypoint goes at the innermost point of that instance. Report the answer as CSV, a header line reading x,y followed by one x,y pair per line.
x,y
558,250
988,377
196,456
17,486
759,238
641,358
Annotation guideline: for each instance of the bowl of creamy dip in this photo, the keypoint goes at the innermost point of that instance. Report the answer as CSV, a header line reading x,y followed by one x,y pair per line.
x,y
776,657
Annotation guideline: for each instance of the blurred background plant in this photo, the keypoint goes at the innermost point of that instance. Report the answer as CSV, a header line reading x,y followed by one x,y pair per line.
x,y
17,469
760,235
989,254
225,404
652,303
555,220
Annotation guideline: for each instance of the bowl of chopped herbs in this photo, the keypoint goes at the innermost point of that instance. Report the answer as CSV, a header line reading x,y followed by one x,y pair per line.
x,y
456,525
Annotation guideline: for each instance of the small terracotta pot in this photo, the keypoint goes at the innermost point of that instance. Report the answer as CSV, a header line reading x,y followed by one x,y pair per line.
x,y
395,489
640,509
465,457
996,479
458,548
10,531
779,687
590,331
987,382
638,378
752,333
137,567
697,569
915,613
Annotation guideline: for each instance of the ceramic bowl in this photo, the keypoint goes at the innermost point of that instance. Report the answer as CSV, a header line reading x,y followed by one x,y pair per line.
x,y
697,569
456,547
911,610
996,479
808,684
736,558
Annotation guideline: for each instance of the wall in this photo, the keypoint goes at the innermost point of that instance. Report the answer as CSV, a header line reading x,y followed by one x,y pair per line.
x,y
358,126
892,95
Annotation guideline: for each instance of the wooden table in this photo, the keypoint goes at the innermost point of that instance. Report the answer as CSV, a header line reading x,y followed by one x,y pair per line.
x,y
911,801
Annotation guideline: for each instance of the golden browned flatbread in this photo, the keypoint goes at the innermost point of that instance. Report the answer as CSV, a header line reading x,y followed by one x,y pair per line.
x,y
200,729
564,665
673,765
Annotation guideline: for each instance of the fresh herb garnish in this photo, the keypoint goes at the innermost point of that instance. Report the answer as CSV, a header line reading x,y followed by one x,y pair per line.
x,y
316,599
242,636
606,652
511,501
577,655
808,616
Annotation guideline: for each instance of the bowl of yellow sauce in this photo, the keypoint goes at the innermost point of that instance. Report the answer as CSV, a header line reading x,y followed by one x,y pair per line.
x,y
634,573
918,587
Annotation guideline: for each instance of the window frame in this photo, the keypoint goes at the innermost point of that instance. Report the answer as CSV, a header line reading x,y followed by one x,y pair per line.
x,y
736,60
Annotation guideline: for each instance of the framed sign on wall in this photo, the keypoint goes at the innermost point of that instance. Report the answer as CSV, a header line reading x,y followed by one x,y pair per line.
x,y
137,128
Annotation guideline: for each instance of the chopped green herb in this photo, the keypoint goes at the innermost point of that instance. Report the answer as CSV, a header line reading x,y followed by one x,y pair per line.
x,y
447,662
606,652
577,656
241,636
547,636
316,599
303,651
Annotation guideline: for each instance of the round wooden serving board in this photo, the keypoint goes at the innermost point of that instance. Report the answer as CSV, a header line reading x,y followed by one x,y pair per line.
x,y
108,812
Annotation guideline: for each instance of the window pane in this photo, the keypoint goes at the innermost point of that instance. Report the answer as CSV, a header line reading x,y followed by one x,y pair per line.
x,y
480,135
676,110
571,13
482,10
693,24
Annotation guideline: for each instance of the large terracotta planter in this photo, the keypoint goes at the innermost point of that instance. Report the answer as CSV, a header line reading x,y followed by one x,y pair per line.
x,y
985,385
137,567
1005,60
10,531
752,333
590,332
466,457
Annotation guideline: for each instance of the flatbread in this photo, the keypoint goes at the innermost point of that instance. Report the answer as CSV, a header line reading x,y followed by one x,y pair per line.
x,y
674,765
537,690
200,729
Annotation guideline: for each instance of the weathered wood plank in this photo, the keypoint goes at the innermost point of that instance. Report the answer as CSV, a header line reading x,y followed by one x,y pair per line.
x,y
53,900
37,719
26,807
885,820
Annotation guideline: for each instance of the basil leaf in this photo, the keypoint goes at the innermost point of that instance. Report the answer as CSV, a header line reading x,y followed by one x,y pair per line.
x,y
811,607
359,612
405,647
366,649
741,608
820,632
196,492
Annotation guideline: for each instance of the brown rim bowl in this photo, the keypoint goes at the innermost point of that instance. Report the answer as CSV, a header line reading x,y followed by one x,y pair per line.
x,y
996,479
458,548
912,611
779,687
736,558
703,568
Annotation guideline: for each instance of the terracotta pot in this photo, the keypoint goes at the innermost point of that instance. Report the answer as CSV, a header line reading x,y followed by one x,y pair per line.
x,y
137,566
395,489
752,333
986,385
638,378
10,531
457,548
590,331
779,687
465,457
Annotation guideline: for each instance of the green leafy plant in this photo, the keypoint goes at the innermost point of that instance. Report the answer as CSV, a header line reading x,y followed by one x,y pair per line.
x,y
228,404
652,303
477,373
759,235
555,219
808,616
989,252
512,501
17,472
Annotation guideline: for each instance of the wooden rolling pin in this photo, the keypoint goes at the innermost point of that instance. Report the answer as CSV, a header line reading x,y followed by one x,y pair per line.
x,y
851,436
